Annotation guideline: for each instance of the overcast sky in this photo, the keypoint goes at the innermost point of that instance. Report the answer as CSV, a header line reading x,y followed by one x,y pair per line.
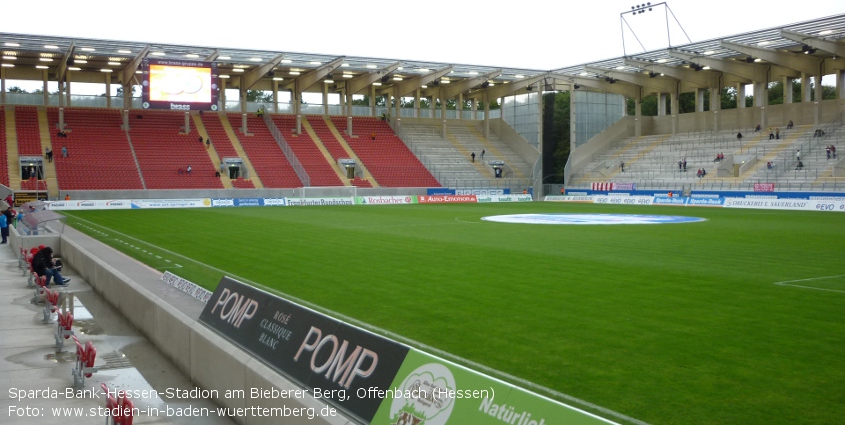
x,y
531,34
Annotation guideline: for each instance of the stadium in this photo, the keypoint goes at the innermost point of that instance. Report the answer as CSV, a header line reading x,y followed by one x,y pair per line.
x,y
395,253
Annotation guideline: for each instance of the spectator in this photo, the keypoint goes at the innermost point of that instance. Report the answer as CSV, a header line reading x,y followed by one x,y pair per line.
x,y
789,126
703,172
798,154
64,151
685,165
373,136
833,151
739,136
621,164
4,227
799,166
180,171
44,265
769,165
482,158
777,133
216,174
473,156
200,139
49,154
9,200
67,197
260,112
827,150
698,174
680,166
717,158
189,169
208,143
756,129
771,134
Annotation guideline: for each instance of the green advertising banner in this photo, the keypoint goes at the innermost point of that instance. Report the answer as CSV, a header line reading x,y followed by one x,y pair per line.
x,y
428,390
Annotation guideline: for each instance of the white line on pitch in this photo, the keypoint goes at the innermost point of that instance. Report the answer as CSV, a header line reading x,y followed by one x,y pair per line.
x,y
789,283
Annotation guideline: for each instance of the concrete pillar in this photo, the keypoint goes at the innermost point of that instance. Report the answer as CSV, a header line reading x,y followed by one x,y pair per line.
x,y
417,103
805,88
661,104
459,106
68,98
223,93
127,95
486,101
715,105
325,99
840,84
638,115
817,104
275,96
372,100
431,105
46,76
699,100
474,108
244,127
740,96
787,89
676,111
349,125
242,99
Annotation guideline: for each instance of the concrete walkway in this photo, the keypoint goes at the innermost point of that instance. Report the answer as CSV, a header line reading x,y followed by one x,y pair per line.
x,y
37,386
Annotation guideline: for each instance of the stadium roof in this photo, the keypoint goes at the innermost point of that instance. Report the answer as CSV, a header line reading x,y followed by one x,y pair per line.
x,y
765,54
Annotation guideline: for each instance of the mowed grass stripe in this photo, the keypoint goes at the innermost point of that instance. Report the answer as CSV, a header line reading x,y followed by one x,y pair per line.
x,y
678,323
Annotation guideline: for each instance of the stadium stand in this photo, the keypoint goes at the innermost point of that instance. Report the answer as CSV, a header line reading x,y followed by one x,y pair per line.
x,y
321,172
223,145
387,158
28,130
652,162
266,156
4,159
163,149
99,154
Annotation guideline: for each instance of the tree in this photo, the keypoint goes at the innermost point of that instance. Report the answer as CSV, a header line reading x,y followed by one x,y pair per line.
x,y
259,96
556,135
16,89
119,92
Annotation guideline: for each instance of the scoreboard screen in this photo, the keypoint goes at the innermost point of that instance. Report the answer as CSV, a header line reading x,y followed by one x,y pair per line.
x,y
179,85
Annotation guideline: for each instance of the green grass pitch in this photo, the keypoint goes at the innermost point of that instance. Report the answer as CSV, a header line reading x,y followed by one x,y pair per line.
x,y
739,319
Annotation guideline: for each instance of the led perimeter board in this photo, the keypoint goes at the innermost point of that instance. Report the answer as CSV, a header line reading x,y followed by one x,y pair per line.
x,y
179,85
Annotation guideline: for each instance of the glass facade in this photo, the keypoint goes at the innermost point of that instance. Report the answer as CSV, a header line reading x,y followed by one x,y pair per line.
x,y
522,112
595,112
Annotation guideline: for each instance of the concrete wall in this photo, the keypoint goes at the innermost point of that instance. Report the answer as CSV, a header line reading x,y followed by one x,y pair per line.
x,y
583,155
168,319
514,140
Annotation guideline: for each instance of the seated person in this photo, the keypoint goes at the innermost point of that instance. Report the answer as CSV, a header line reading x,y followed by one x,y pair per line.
x,y
799,166
789,125
756,129
698,174
43,264
703,172
739,136
769,165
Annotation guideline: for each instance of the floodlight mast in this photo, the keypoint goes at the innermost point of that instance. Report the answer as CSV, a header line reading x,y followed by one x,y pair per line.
x,y
647,7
